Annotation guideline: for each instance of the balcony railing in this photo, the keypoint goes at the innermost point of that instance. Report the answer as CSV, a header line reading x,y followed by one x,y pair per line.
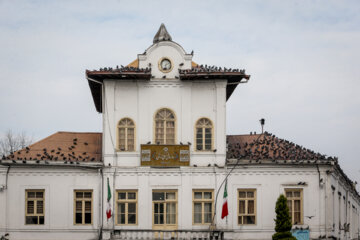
x,y
168,234
165,155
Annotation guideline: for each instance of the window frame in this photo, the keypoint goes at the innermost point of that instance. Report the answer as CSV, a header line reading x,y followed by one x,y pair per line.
x,y
165,121
165,201
35,206
126,201
118,148
203,134
246,199
83,207
292,199
202,201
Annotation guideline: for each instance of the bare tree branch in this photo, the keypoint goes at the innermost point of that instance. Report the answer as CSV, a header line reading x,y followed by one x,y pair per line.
x,y
11,142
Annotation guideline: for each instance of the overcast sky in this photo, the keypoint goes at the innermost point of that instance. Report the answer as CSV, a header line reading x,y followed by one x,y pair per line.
x,y
303,58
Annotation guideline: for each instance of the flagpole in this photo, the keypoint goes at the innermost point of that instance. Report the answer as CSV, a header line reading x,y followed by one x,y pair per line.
x,y
212,225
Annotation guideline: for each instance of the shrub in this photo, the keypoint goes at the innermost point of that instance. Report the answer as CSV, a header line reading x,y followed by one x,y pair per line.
x,y
283,221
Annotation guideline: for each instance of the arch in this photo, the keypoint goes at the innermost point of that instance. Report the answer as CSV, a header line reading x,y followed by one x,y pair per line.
x,y
126,135
164,126
175,45
204,132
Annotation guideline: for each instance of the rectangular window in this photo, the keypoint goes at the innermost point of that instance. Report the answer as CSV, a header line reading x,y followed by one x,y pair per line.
x,y
294,201
83,207
126,205
203,202
247,206
34,207
164,208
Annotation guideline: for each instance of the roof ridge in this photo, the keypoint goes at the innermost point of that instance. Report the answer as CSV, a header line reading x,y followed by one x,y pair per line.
x,y
79,132
48,137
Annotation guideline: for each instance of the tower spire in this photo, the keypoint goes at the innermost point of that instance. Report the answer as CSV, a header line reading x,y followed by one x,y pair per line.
x,y
162,35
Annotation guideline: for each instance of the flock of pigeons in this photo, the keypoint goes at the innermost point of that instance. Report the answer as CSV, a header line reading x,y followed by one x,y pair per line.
x,y
70,156
197,69
124,69
210,69
269,147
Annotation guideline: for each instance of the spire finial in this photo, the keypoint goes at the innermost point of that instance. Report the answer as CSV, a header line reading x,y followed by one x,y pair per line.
x,y
162,35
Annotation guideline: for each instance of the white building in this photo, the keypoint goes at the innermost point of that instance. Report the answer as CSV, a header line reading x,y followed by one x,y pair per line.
x,y
164,154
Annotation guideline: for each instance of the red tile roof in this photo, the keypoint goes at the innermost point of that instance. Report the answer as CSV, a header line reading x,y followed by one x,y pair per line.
x,y
64,146
268,147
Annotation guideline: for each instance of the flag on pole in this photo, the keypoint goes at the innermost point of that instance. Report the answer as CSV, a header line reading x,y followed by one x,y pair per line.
x,y
225,210
108,209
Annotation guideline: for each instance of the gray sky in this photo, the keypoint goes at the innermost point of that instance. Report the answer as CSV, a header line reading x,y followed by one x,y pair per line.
x,y
303,58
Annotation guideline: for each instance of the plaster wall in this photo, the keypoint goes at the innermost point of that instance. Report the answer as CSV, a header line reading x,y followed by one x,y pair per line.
x,y
343,208
58,185
140,100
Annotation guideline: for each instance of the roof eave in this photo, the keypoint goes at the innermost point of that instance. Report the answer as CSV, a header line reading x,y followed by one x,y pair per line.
x,y
233,79
96,78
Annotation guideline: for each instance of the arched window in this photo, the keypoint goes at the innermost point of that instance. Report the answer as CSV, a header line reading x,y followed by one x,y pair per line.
x,y
126,135
165,127
204,133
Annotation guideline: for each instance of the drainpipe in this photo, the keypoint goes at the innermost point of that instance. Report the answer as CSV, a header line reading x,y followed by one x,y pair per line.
x,y
6,200
114,192
102,181
213,225
101,204
7,176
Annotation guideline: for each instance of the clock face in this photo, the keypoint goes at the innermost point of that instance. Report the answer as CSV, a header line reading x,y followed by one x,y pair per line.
x,y
165,65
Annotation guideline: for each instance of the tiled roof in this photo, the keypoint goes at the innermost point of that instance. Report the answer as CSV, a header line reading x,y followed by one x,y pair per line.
x,y
96,77
134,63
119,70
133,72
269,147
63,146
213,69
204,72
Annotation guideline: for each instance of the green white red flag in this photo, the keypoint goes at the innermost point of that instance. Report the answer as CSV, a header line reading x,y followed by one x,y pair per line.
x,y
225,210
108,209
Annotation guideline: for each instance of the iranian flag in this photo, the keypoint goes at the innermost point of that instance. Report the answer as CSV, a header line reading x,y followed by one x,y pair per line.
x,y
225,210
108,209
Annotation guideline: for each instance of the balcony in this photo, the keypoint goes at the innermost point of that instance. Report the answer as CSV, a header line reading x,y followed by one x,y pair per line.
x,y
168,234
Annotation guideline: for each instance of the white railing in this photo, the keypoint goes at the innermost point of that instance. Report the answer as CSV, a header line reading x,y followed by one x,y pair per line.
x,y
166,234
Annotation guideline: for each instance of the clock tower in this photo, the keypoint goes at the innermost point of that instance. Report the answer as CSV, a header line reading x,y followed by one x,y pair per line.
x,y
169,101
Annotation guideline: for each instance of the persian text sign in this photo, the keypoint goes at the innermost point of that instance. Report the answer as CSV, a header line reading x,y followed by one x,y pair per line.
x,y
165,155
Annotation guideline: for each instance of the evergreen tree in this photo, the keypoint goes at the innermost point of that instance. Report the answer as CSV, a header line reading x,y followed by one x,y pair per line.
x,y
283,220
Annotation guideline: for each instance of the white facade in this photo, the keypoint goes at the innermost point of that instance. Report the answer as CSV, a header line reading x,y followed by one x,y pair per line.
x,y
140,100
58,184
329,205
